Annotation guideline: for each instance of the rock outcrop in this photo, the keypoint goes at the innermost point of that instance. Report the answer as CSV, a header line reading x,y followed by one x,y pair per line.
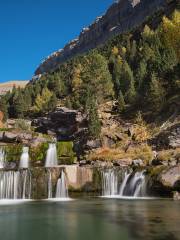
x,y
121,17
64,124
24,138
169,138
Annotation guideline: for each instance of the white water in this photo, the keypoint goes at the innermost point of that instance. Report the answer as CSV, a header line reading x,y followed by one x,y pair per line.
x,y
110,182
2,158
133,184
61,188
24,160
51,157
15,185
124,183
49,184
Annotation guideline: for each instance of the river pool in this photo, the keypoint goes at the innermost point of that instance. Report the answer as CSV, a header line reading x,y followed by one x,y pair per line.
x,y
91,219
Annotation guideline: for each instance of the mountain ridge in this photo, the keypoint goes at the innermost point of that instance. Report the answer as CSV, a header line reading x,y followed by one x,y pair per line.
x,y
121,17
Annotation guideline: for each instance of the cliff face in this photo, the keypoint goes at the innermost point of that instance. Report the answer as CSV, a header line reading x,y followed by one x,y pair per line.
x,y
121,17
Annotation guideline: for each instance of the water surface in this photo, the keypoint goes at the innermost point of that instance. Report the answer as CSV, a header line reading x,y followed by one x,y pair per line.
x,y
91,219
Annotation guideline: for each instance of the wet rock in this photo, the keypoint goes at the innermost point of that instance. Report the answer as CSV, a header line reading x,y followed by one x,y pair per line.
x,y
11,166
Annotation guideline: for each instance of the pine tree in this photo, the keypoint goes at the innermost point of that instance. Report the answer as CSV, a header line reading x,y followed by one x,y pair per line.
x,y
94,125
116,76
127,83
156,94
4,108
19,106
121,102
52,103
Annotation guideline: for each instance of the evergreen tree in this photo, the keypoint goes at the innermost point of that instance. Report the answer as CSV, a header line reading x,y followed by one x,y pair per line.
x,y
116,76
19,106
127,83
4,108
94,125
52,103
156,93
121,102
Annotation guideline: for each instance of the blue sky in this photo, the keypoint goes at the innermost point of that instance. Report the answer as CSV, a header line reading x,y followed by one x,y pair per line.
x,y
32,29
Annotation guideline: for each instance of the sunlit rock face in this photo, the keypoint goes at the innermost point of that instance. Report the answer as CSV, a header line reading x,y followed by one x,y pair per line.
x,y
122,16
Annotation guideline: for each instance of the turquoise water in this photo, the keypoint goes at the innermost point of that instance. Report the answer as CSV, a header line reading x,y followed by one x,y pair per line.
x,y
91,219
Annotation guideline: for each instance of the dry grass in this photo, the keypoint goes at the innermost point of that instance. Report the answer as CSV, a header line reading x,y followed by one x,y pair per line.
x,y
143,152
167,155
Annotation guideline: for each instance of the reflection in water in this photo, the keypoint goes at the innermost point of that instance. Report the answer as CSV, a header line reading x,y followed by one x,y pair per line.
x,y
89,219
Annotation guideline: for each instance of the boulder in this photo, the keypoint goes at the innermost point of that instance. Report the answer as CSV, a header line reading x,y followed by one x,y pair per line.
x,y
138,163
123,162
170,178
10,137
169,138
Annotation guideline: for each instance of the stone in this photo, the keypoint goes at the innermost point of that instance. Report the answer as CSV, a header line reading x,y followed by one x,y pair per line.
x,y
138,163
123,162
10,137
63,123
168,138
1,136
93,144
171,177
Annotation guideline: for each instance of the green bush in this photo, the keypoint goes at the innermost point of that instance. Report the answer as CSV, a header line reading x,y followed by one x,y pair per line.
x,y
65,152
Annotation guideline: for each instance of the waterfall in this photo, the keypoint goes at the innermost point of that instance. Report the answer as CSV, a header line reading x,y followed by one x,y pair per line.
x,y
24,160
109,182
124,183
61,188
49,184
2,158
51,157
15,185
132,184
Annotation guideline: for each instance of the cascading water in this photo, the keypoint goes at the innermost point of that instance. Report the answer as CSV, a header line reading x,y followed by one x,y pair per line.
x,y
61,188
110,182
24,160
50,195
2,158
51,157
15,184
136,186
124,183
132,185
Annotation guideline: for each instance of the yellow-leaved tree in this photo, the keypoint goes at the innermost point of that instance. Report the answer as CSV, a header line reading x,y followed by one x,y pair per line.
x,y
171,32
42,100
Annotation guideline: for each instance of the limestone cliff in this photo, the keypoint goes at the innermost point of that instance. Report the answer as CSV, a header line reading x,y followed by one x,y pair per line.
x,y
121,17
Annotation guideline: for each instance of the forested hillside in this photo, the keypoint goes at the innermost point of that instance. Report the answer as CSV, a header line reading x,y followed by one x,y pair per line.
x,y
139,70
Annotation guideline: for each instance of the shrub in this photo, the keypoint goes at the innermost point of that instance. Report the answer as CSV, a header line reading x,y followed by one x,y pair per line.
x,y
65,152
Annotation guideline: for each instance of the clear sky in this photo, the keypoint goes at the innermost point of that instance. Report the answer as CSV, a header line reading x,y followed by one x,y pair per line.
x,y
30,30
